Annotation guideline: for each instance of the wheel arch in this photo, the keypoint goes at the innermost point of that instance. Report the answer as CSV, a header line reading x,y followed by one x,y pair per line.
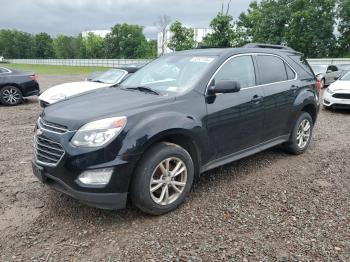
x,y
180,137
312,110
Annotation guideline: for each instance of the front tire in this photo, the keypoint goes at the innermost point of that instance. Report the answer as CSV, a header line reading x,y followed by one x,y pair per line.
x,y
10,96
163,179
301,135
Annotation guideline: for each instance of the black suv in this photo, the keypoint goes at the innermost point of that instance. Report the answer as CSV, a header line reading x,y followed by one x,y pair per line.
x,y
181,115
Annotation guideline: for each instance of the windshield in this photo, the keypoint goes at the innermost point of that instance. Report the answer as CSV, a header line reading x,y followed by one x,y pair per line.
x,y
319,69
171,75
113,76
346,77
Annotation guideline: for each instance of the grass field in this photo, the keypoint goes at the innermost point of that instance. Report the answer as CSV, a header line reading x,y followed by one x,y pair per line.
x,y
56,70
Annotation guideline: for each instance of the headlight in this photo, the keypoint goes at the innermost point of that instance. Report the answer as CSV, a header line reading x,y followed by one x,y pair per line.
x,y
99,133
58,97
329,91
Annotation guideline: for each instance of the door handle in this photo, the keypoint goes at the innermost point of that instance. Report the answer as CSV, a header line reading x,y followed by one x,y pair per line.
x,y
257,99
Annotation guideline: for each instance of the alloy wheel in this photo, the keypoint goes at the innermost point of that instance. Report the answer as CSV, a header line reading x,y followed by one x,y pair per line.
x,y
11,96
168,181
304,133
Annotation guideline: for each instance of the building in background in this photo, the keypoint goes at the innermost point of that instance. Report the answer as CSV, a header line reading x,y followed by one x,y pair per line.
x,y
101,33
199,34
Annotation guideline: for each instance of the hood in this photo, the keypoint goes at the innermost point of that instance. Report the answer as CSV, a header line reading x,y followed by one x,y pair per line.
x,y
67,90
340,85
99,104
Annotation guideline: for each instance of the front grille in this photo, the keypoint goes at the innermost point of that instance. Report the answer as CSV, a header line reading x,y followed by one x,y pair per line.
x,y
52,126
342,96
47,151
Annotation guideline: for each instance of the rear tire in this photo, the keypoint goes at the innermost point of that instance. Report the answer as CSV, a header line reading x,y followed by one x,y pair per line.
x,y
10,96
301,135
163,179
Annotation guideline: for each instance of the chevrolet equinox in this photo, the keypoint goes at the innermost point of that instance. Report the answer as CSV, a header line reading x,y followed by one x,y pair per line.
x,y
181,115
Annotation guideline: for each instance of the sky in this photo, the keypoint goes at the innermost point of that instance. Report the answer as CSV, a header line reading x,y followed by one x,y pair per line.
x,y
74,16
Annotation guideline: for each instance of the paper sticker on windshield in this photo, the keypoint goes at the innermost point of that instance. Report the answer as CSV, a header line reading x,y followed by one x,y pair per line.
x,y
202,59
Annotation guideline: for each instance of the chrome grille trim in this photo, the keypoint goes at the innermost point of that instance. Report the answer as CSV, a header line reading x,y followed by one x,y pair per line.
x,y
52,127
47,152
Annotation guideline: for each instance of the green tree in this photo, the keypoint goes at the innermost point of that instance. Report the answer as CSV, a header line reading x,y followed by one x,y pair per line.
x,y
223,34
94,46
16,44
344,27
182,37
43,46
66,47
305,25
152,52
265,23
126,41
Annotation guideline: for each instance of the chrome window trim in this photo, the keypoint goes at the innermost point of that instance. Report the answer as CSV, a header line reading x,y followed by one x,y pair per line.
x,y
253,54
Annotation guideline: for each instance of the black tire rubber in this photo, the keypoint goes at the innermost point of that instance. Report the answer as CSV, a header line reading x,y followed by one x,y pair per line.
x,y
2,96
292,146
140,195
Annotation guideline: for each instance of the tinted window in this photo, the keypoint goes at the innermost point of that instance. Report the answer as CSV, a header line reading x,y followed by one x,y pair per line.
x,y
239,69
290,72
303,64
272,69
332,68
3,70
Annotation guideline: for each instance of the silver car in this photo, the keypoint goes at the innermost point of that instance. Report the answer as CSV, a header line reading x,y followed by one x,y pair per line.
x,y
327,74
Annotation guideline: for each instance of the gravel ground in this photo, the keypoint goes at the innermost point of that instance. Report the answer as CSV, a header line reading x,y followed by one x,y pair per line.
x,y
271,206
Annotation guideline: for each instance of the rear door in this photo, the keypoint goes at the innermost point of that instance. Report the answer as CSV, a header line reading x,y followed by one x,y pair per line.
x,y
278,81
234,121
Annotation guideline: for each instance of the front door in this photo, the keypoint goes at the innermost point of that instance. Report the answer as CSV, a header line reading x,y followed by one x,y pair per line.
x,y
234,120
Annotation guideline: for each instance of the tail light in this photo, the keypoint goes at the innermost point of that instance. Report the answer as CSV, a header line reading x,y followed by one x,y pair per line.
x,y
318,85
33,77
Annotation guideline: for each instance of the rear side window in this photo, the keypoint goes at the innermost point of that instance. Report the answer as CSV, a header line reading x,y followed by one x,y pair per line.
x,y
239,69
332,68
272,69
303,64
290,72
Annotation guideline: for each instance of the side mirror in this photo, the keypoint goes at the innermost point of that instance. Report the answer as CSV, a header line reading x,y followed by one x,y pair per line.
x,y
225,87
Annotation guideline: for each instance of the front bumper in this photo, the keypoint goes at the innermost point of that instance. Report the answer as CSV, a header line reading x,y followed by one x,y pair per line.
x,y
63,174
99,200
329,101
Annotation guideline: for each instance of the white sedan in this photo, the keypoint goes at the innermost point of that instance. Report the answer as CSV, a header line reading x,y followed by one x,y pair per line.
x,y
106,79
337,95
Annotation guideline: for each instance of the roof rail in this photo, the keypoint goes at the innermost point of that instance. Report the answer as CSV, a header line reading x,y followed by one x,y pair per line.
x,y
259,45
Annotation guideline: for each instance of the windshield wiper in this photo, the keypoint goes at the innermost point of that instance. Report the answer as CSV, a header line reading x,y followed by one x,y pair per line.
x,y
98,81
144,89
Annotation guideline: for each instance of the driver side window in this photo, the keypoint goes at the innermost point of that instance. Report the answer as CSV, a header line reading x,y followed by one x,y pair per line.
x,y
239,69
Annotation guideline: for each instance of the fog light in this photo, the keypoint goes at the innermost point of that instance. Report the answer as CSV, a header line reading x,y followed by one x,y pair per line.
x,y
98,177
